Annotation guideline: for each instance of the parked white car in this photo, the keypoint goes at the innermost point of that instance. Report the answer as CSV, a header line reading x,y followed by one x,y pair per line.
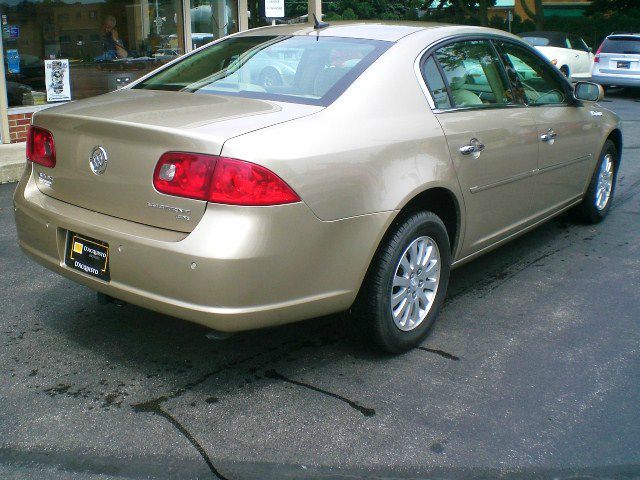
x,y
567,52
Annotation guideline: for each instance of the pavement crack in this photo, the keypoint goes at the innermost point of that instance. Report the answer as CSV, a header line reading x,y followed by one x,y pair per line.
x,y
366,411
154,406
442,353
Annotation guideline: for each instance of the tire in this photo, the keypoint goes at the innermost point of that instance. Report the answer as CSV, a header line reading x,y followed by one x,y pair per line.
x,y
565,70
593,208
373,307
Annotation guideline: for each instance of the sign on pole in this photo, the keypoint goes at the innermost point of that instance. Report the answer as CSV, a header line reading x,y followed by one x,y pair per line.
x,y
274,8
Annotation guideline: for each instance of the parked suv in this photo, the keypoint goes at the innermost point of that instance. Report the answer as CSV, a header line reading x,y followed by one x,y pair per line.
x,y
617,61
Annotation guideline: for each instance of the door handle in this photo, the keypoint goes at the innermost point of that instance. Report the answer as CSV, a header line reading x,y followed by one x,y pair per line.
x,y
474,148
549,137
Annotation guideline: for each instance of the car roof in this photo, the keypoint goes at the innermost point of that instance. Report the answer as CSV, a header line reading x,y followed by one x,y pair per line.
x,y
622,35
390,31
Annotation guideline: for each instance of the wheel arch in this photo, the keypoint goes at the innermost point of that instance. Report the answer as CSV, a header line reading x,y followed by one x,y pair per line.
x,y
616,137
441,201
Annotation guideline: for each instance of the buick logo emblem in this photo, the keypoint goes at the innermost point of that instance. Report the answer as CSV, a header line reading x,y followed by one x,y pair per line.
x,y
98,160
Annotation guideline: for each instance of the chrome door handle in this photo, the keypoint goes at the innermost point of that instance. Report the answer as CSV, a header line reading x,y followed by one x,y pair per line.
x,y
475,148
549,137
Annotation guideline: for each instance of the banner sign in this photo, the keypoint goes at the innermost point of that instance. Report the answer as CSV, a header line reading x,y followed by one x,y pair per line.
x,y
13,61
56,77
274,8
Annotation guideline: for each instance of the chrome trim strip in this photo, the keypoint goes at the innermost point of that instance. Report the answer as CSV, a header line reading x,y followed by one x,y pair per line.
x,y
504,181
565,164
530,173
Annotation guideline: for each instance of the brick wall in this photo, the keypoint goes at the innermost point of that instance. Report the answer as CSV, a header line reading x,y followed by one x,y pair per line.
x,y
18,124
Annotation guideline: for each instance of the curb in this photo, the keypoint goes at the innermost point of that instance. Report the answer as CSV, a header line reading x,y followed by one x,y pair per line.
x,y
12,162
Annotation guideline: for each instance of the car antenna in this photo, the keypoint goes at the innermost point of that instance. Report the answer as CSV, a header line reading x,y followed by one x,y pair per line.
x,y
318,25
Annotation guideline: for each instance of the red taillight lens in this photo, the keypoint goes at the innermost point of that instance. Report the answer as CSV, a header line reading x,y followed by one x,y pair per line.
x,y
220,180
596,58
242,183
184,174
40,147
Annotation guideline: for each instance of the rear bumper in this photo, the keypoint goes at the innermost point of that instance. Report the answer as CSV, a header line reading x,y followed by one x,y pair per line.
x,y
616,80
241,268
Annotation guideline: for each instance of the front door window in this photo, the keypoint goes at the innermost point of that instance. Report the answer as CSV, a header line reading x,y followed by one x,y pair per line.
x,y
534,81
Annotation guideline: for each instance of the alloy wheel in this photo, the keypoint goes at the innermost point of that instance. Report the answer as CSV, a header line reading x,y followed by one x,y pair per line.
x,y
415,283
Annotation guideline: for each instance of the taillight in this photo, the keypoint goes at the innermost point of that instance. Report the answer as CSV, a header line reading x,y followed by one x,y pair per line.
x,y
40,147
596,58
220,180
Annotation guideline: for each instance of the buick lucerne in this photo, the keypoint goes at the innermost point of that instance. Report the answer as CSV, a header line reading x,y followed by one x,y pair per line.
x,y
350,177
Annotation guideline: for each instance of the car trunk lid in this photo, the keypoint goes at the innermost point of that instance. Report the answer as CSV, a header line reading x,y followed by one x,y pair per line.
x,y
134,128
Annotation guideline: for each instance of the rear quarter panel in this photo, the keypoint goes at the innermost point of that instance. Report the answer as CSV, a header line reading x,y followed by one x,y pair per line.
x,y
372,150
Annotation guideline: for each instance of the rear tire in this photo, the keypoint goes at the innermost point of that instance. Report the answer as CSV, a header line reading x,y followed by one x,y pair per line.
x,y
597,200
406,284
565,70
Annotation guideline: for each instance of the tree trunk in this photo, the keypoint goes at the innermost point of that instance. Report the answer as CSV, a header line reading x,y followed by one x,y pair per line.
x,y
483,12
537,14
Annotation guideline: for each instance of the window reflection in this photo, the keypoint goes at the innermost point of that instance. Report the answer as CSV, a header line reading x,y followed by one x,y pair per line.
x,y
108,43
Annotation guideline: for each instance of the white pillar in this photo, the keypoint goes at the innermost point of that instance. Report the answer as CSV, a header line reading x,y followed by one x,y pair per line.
x,y
315,7
4,105
243,15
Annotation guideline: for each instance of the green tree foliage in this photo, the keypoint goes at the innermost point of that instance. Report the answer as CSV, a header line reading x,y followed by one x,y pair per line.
x,y
603,17
612,6
371,9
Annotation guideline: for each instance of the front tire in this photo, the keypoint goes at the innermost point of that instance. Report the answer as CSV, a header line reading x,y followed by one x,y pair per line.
x,y
597,201
406,284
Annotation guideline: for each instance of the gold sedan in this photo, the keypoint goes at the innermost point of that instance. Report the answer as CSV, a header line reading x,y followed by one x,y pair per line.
x,y
290,172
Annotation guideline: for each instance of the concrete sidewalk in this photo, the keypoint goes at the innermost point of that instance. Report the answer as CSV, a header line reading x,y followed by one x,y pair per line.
x,y
12,161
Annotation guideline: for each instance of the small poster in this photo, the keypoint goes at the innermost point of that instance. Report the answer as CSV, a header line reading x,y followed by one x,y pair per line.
x,y
13,61
274,8
14,31
56,77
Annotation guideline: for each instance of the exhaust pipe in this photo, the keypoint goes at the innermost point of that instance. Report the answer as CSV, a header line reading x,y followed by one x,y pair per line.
x,y
104,299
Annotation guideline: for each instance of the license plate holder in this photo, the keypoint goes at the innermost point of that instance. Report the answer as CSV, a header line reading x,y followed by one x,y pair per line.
x,y
622,64
87,255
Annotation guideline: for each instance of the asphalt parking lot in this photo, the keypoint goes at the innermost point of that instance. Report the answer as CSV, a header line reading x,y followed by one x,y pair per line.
x,y
531,371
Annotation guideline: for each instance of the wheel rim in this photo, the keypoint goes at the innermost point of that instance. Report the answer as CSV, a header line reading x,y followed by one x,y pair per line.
x,y
605,182
415,283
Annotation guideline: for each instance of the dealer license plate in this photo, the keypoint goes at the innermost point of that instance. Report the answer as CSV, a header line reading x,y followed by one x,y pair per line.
x,y
87,255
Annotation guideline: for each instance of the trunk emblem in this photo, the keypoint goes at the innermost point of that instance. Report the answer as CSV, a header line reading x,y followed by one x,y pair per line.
x,y
98,160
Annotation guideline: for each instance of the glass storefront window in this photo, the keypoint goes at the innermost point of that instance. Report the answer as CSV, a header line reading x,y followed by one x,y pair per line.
x,y
212,19
101,45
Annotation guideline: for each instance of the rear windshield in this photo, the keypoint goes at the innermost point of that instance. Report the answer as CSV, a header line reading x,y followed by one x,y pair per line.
x,y
300,69
542,40
621,45
536,41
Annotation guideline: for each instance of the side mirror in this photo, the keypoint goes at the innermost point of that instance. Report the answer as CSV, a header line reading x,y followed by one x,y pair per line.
x,y
589,92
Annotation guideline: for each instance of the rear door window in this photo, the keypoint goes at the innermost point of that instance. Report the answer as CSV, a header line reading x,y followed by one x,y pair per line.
x,y
435,83
474,74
